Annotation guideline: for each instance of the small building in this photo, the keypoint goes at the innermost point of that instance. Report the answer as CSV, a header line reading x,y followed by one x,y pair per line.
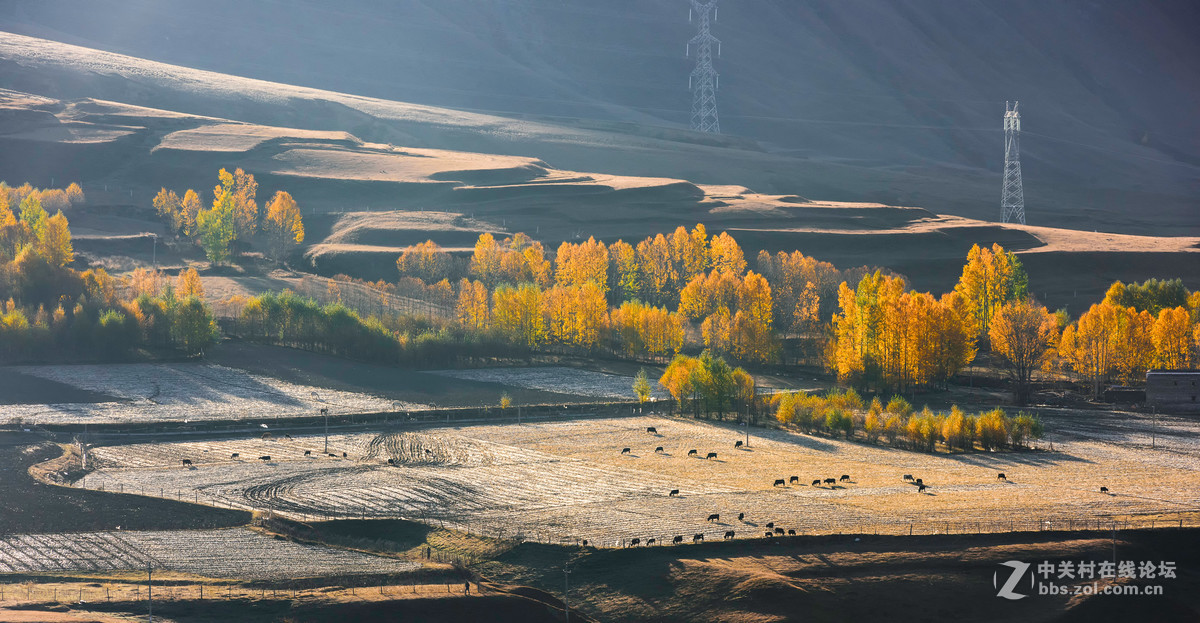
x,y
1122,394
1173,390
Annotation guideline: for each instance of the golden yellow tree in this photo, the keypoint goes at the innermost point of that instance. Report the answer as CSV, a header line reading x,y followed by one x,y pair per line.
x,y
283,226
990,278
167,204
188,284
1133,344
624,280
689,252
242,188
6,212
75,194
726,255
189,209
1022,333
425,261
1087,345
517,311
657,272
473,309
1172,337
57,248
586,262
485,262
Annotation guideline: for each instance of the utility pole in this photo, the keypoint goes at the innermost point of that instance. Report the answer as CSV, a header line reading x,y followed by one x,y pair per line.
x,y
1012,197
149,592
325,412
704,81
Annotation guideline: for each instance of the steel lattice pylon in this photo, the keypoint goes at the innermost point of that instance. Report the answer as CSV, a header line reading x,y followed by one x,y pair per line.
x,y
1012,199
703,81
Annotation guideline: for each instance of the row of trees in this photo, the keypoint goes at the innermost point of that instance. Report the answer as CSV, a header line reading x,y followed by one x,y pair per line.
x,y
707,384
843,413
233,219
52,199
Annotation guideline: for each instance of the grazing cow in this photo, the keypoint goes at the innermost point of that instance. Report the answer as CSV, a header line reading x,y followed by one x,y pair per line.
x,y
673,493
265,457
769,534
816,483
1103,489
187,462
714,517
635,542
585,543
728,534
771,524
699,536
1001,476
344,454
920,488
737,444
658,450
741,516
651,541
831,481
791,532
287,436
677,539
234,455
308,453
779,531
391,461
651,429
779,481
844,478
691,453
711,455
908,477
920,482
332,455
794,480
624,450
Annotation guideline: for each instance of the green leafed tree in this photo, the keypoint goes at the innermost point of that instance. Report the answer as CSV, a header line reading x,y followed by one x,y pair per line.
x,y
641,386
216,228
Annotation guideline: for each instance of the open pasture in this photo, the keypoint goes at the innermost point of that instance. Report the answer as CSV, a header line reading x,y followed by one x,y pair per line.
x,y
231,553
573,480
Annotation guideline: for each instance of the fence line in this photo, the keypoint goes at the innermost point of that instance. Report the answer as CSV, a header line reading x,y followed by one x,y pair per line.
x,y
368,300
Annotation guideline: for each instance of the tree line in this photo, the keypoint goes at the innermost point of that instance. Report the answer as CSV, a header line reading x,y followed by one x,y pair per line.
x,y
233,219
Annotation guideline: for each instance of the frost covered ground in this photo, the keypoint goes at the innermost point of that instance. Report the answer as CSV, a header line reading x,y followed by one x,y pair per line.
x,y
232,553
558,379
184,391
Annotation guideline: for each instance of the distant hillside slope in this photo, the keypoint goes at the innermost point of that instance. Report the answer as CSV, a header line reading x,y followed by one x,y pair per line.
x,y
907,94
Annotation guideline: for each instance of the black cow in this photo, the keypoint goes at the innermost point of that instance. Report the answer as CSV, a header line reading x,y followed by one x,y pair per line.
x,y
791,532
769,534
635,542
711,455
779,531
308,453
187,462
908,477
771,524
714,517
741,516
697,537
673,493
816,483
658,450
651,429
344,454
287,436
332,455
844,478
920,488
920,482
585,543
391,461
831,481
779,481
624,450
265,457
728,534
691,453
677,539
1001,476
737,444
234,455
794,480
1103,489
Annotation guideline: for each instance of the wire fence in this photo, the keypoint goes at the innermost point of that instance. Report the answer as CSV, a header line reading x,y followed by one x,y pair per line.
x,y
371,301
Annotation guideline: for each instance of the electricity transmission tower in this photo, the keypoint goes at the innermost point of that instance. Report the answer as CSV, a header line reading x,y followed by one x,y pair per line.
x,y
703,80
1012,199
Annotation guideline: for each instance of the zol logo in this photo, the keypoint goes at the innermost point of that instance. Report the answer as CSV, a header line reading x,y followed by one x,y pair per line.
x,y
1018,571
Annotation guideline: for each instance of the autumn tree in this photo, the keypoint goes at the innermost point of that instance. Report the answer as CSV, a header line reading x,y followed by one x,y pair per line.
x,y
658,276
57,243
1152,295
188,284
990,278
1021,333
517,311
34,216
624,279
215,228
1088,345
168,207
689,252
586,262
473,309
283,227
726,255
75,194
241,188
1172,337
189,211
641,386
